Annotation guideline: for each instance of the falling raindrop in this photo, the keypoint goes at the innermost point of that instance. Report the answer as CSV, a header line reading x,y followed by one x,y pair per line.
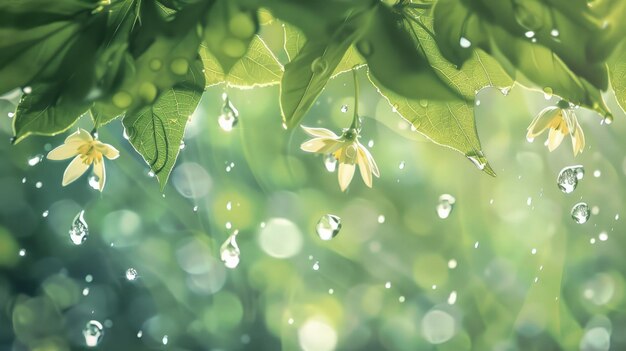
x,y
131,274
580,213
603,236
328,226
24,180
452,263
229,252
344,108
401,165
165,340
388,285
140,334
370,143
316,266
35,160
94,182
452,298
330,162
11,114
79,230
555,33
230,116
597,173
568,178
195,209
93,333
529,34
381,219
465,43
45,213
446,202
22,252
38,185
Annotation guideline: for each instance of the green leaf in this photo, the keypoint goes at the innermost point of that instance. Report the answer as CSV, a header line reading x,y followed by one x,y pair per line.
x,y
308,72
258,68
617,72
45,111
156,131
229,32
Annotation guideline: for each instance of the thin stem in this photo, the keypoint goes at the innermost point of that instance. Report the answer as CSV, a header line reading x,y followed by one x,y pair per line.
x,y
356,121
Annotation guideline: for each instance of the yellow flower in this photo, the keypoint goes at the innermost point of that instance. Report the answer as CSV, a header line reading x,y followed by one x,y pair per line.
x,y
561,121
86,151
346,149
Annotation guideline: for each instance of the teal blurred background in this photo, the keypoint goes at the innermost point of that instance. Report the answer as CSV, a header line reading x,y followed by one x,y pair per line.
x,y
507,270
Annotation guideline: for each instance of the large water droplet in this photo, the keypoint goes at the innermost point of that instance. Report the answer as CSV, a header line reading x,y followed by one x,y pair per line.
x,y
568,178
580,213
330,162
35,160
478,159
131,274
548,93
319,66
446,202
465,43
230,116
328,226
93,333
79,230
229,252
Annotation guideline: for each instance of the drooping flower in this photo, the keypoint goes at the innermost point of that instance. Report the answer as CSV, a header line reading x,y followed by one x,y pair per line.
x,y
561,121
86,151
348,151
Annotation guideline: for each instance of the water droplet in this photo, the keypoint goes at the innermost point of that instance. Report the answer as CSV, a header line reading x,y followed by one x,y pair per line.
x,y
344,108
195,209
27,90
328,226
85,291
79,230
330,162
229,252
452,264
230,116
24,180
568,178
478,159
365,47
89,278
555,33
22,252
370,143
548,93
93,333
401,165
617,216
45,213
527,16
388,285
529,34
533,251
229,206
165,340
131,274
597,173
11,114
505,90
608,119
477,102
476,244
94,182
452,298
316,266
446,202
580,213
179,66
465,43
290,321
319,66
38,185
381,219
603,236
140,334
33,161
401,299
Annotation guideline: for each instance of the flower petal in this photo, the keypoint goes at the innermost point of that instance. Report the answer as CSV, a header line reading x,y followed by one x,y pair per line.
x,y
320,132
542,121
321,145
578,139
364,167
554,139
346,172
370,159
75,169
80,135
110,152
99,171
64,151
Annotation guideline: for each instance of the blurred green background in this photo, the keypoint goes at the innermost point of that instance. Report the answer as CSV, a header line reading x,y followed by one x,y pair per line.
x,y
507,270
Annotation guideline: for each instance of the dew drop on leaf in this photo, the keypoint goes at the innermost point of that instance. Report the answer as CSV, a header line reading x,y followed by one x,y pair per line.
x,y
319,66
580,213
33,161
328,226
465,43
79,230
444,207
330,162
230,116
568,178
478,159
229,251
131,274
93,333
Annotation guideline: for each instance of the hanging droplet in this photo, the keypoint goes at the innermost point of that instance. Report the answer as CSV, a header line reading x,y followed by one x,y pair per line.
x,y
94,182
344,108
608,119
446,202
230,116
328,226
330,162
548,93
131,274
478,159
568,178
93,333
465,43
370,143
33,161
79,230
580,213
229,252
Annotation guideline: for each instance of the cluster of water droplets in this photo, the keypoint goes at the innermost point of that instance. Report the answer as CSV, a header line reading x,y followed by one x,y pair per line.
x,y
328,226
230,116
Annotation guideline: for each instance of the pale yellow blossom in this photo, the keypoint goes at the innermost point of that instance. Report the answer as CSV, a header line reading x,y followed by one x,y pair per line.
x,y
348,152
86,151
561,121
